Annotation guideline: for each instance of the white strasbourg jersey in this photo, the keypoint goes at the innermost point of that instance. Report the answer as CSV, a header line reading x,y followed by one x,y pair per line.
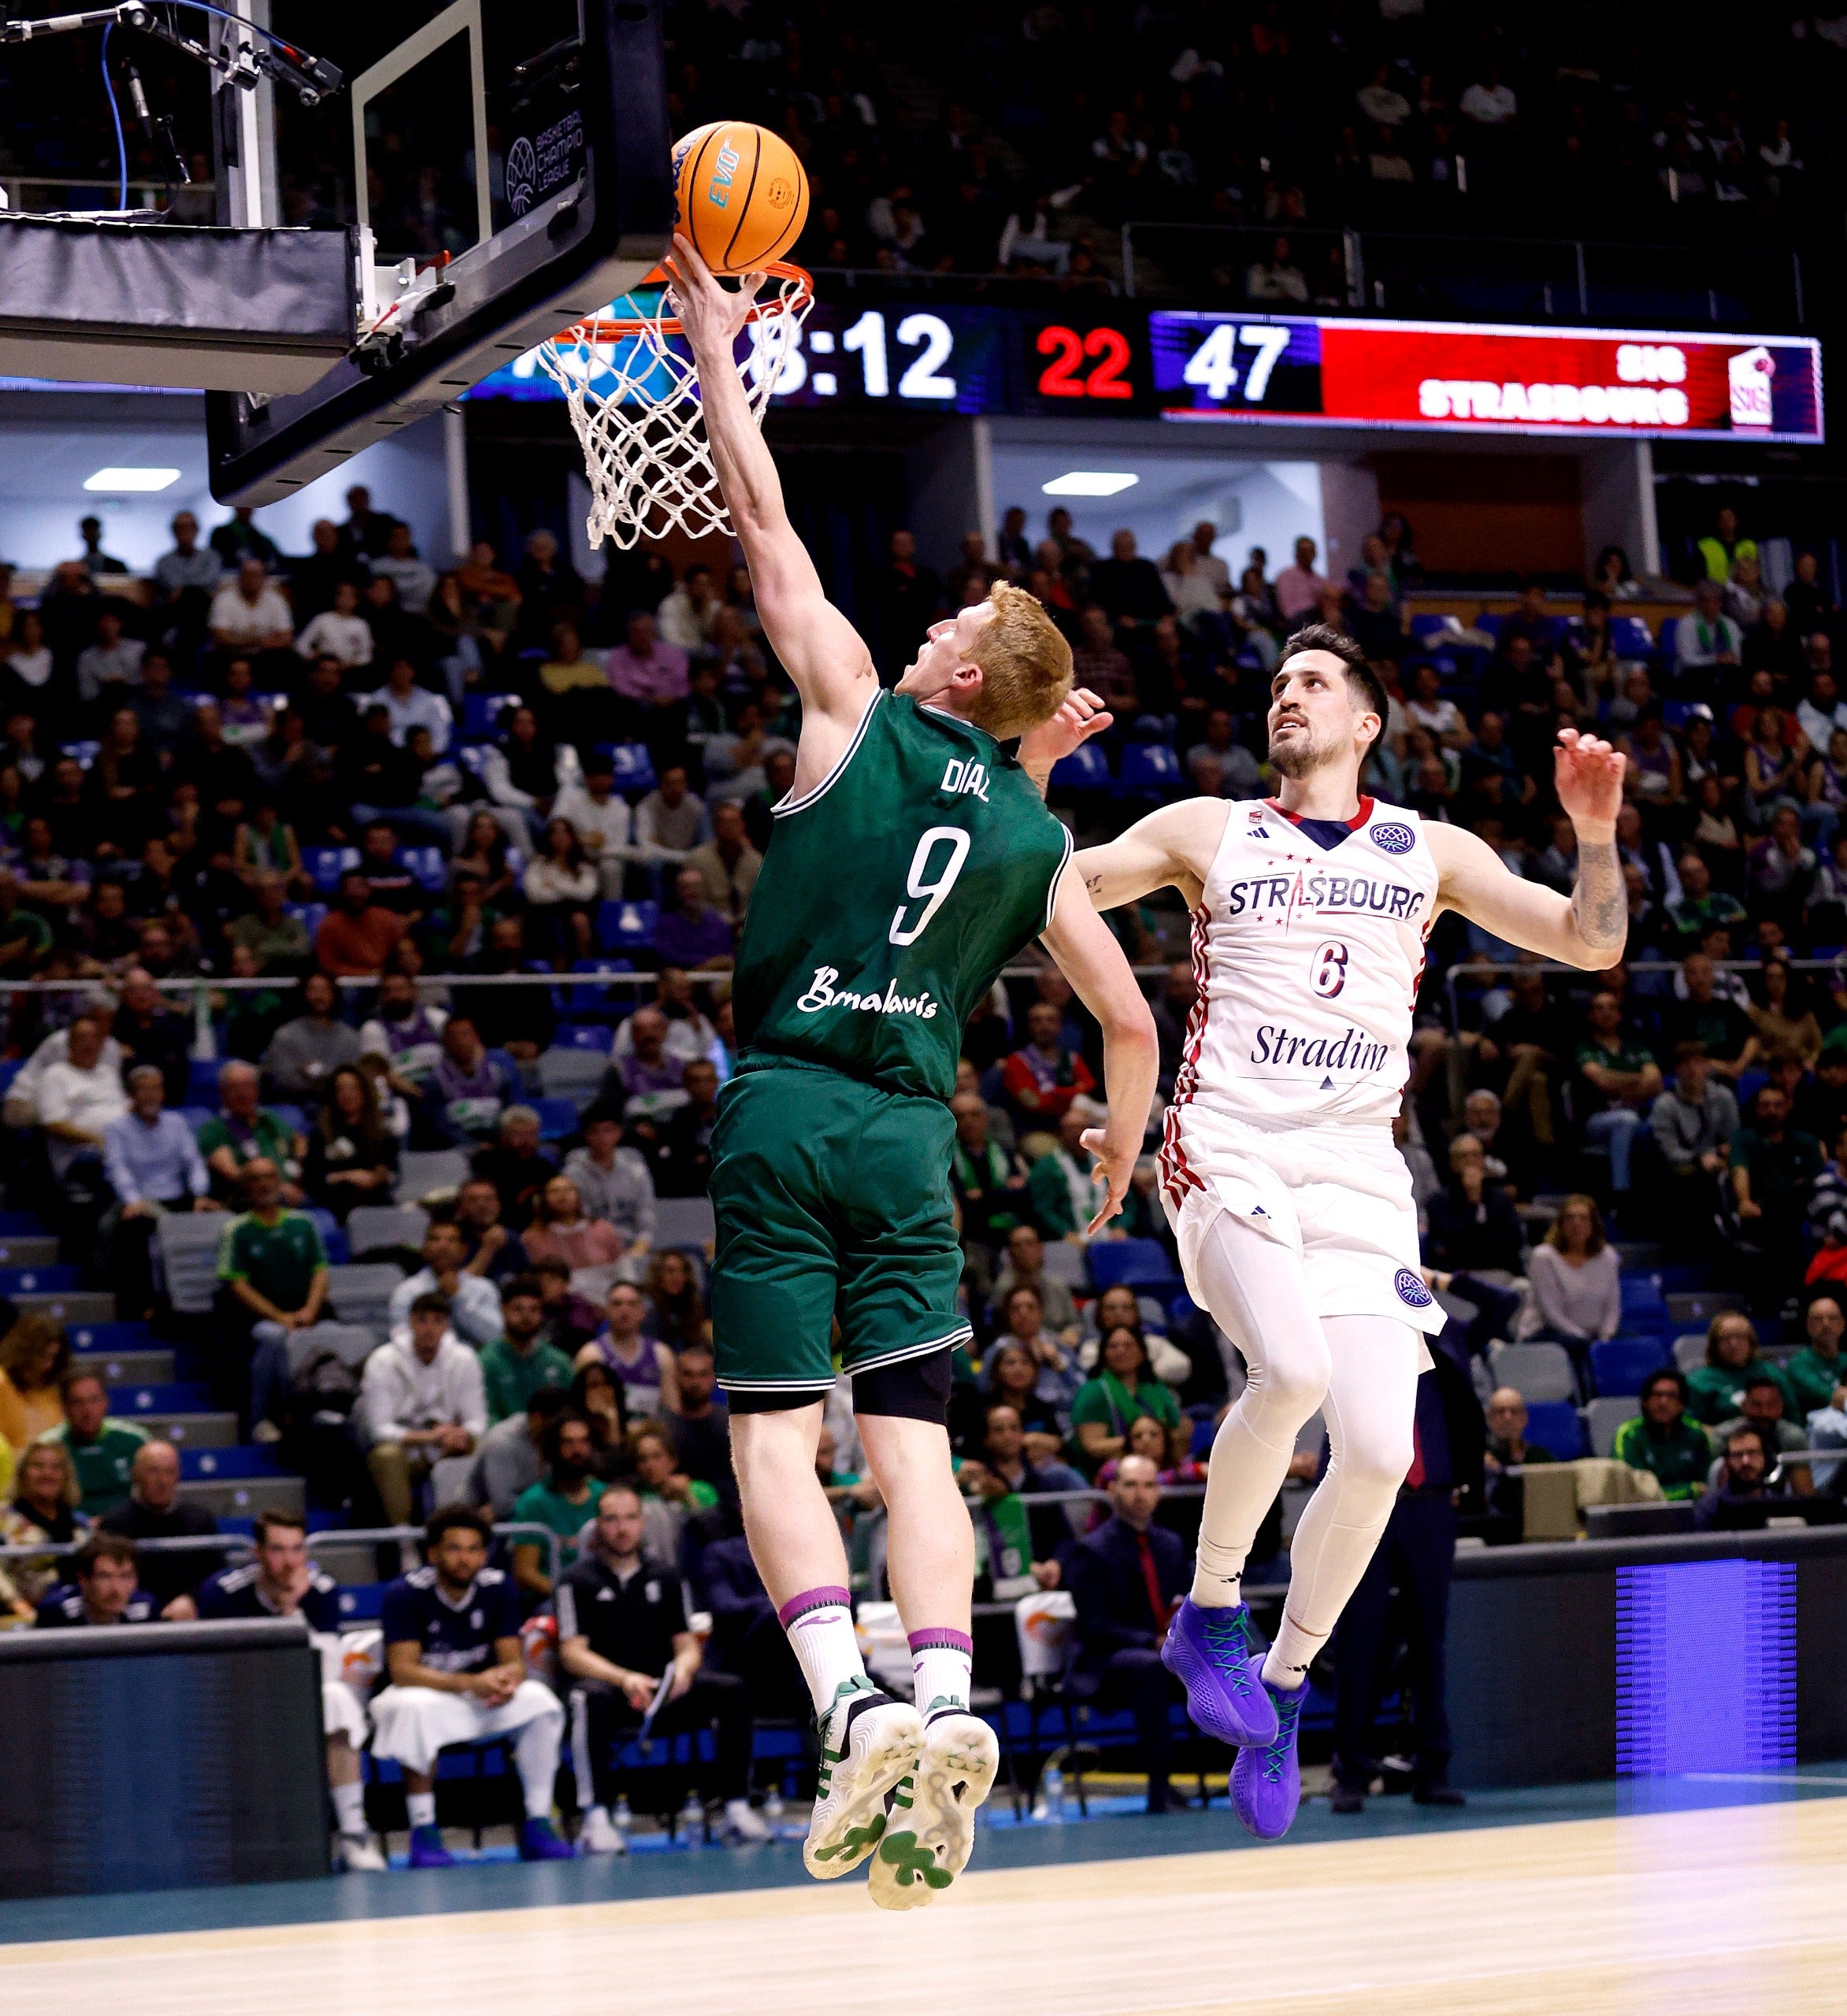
x,y
1307,948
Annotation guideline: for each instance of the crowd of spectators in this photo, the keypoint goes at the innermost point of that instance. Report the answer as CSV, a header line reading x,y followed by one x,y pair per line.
x,y
1013,141
521,797
1279,119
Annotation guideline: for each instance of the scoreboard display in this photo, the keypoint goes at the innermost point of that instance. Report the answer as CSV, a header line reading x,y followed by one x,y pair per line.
x,y
1200,367
1449,376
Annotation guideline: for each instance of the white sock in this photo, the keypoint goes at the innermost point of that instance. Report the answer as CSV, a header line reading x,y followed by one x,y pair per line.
x,y
1214,1589
941,1663
819,1626
600,1814
349,1807
1286,1664
422,1808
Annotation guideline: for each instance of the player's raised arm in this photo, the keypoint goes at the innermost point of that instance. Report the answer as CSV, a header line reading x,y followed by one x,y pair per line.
x,y
1173,846
1588,929
825,655
1090,958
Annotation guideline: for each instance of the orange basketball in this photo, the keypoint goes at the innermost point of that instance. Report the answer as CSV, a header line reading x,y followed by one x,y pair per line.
x,y
742,196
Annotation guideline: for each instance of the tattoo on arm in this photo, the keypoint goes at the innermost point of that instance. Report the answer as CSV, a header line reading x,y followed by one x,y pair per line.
x,y
1599,904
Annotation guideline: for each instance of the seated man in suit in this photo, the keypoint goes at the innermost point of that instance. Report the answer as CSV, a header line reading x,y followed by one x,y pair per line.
x,y
1126,1579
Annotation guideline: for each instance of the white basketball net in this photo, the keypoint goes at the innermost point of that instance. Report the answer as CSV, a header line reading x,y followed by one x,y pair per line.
x,y
633,399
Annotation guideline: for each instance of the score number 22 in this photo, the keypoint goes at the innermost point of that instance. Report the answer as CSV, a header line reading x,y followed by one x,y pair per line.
x,y
1104,381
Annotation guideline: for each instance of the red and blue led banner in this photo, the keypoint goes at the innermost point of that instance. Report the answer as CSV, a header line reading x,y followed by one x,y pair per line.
x,y
1118,359
1474,379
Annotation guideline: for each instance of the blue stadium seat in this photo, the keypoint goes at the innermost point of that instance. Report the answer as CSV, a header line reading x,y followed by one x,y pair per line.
x,y
1490,624
112,1338
332,1238
327,864
85,752
480,715
597,1004
1642,1299
473,757
634,768
582,1036
291,1116
556,1117
1554,1425
201,1081
1150,770
176,1396
363,1605
310,915
1085,769
428,866
621,927
21,1224
196,1465
59,1278
1629,639
1617,1368
1128,1263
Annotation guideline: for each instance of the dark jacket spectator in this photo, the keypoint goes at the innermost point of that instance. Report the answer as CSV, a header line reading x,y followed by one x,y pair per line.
x,y
1474,1225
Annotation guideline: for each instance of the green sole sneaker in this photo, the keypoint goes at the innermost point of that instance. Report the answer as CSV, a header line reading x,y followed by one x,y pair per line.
x,y
930,1831
870,1743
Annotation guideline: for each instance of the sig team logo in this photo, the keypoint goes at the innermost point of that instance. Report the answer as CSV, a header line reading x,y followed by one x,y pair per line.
x,y
1394,838
1411,1290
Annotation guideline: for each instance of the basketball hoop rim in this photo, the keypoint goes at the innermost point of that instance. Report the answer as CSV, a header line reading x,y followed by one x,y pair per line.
x,y
612,328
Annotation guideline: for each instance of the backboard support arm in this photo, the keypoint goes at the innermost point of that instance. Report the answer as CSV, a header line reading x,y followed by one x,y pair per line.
x,y
243,128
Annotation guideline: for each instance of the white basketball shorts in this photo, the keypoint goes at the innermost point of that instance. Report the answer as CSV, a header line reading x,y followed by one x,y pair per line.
x,y
1337,1196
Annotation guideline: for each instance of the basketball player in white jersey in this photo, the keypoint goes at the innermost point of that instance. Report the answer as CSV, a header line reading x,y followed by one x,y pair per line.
x,y
1291,1206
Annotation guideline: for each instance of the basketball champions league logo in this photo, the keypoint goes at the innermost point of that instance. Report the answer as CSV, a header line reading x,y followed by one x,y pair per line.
x,y
522,172
535,167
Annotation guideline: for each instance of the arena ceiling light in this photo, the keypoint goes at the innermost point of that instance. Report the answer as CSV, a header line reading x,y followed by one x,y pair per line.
x,y
1088,483
121,480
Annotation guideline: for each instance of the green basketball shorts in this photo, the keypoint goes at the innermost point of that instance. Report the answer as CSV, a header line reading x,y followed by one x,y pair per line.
x,y
833,1199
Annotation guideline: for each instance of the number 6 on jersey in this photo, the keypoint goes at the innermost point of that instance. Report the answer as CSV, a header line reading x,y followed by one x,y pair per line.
x,y
918,885
1327,974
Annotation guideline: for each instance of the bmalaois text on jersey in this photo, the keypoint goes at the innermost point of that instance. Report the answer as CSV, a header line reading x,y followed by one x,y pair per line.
x,y
892,895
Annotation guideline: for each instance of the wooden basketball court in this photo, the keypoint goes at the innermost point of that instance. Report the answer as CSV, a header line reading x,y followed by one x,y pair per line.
x,y
1716,1909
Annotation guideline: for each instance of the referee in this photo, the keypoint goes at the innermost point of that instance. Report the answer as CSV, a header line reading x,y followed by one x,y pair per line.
x,y
621,1632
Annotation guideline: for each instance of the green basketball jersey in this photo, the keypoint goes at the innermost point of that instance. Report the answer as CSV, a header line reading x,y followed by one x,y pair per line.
x,y
891,896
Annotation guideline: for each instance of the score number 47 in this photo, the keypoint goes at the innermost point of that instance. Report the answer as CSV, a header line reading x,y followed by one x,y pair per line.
x,y
1214,366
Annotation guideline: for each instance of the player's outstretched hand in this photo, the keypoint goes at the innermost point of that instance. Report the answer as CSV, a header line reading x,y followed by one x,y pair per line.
x,y
710,314
1114,1167
1082,716
1588,775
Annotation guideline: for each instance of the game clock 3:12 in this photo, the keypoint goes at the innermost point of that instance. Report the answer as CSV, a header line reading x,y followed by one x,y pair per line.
x,y
963,358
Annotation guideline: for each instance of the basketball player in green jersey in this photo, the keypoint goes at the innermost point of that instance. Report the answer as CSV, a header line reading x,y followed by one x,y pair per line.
x,y
912,860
